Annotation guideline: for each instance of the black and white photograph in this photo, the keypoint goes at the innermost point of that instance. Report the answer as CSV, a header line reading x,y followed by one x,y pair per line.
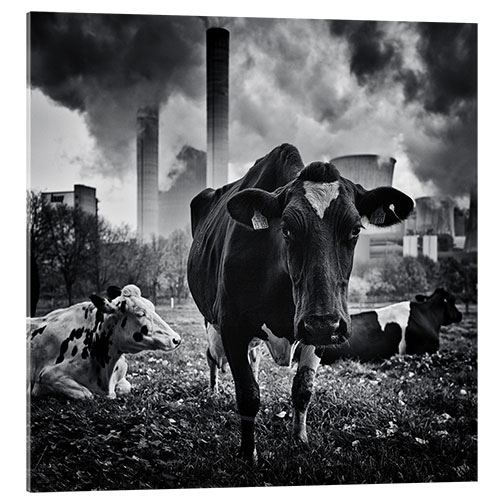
x,y
251,251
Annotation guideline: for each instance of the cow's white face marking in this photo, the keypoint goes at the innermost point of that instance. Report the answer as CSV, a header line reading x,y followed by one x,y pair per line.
x,y
396,313
280,348
321,194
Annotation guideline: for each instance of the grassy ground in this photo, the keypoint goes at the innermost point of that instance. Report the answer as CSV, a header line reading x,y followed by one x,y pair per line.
x,y
410,419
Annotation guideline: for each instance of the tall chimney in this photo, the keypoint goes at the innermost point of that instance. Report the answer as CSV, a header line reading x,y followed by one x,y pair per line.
x,y
471,230
147,172
217,106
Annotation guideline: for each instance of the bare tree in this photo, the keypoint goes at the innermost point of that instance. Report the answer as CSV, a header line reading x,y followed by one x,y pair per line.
x,y
177,250
68,245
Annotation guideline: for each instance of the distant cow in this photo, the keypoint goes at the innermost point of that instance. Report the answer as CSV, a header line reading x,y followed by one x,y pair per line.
x,y
79,350
273,252
404,328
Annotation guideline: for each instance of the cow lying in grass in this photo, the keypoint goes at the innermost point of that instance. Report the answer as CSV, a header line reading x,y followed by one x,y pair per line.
x,y
79,351
401,328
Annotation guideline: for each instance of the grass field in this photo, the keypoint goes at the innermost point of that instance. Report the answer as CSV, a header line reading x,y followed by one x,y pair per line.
x,y
410,419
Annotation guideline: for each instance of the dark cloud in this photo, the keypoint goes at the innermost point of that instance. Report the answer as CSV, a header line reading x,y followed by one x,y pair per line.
x,y
372,52
107,66
75,54
331,87
447,52
437,71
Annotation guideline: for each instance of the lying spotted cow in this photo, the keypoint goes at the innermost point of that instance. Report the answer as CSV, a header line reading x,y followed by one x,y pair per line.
x,y
79,351
404,328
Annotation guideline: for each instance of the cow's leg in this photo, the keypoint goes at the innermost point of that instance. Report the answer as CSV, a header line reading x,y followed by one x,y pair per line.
x,y
302,390
254,356
247,394
118,380
53,381
212,364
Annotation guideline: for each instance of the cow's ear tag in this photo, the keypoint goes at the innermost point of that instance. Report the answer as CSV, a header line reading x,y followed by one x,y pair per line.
x,y
378,217
259,221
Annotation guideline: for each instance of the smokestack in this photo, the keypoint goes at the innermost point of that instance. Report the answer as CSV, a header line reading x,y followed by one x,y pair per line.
x,y
147,172
217,106
471,231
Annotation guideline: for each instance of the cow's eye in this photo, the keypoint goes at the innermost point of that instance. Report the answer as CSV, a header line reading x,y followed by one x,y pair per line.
x,y
286,233
355,232
141,313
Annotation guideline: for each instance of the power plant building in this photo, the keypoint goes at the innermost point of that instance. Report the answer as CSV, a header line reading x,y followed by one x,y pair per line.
x,y
371,171
174,204
147,172
217,40
82,197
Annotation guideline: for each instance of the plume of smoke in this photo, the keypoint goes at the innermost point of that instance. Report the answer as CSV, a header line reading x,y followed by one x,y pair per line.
x,y
441,86
188,171
107,66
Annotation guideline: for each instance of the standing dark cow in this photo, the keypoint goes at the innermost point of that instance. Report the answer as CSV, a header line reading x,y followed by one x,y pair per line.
x,y
273,252
404,328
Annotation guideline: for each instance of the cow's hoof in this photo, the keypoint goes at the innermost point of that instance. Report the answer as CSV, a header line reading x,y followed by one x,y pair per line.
x,y
300,437
251,459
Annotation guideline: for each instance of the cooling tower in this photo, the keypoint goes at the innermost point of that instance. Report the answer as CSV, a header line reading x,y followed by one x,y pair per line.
x,y
435,215
147,172
369,170
471,230
217,106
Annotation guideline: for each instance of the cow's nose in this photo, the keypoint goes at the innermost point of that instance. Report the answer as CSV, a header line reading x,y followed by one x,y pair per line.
x,y
321,325
325,329
176,341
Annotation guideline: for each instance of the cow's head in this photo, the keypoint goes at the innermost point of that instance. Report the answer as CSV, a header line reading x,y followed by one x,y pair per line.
x,y
137,326
428,314
444,303
316,220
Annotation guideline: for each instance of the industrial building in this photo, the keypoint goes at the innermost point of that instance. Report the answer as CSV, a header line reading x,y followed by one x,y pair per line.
x,y
371,171
82,197
436,228
174,203
217,40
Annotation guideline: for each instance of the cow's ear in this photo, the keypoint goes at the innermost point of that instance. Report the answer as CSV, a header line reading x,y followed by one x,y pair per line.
x,y
254,207
383,206
103,305
113,291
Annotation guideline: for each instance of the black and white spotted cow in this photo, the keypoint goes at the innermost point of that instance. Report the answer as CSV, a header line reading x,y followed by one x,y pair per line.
x,y
274,250
404,328
79,351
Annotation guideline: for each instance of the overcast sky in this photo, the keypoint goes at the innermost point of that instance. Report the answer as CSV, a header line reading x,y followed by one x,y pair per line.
x,y
407,90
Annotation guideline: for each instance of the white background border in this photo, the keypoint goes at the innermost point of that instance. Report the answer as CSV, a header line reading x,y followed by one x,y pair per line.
x,y
12,284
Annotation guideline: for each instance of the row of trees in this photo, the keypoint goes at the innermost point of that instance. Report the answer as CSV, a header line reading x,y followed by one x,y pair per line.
x,y
77,254
400,278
